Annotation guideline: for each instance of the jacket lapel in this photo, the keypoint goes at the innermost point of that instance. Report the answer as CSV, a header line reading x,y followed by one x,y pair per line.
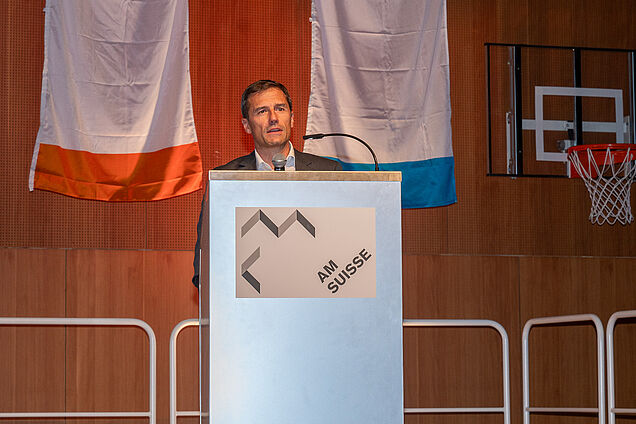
x,y
247,163
303,161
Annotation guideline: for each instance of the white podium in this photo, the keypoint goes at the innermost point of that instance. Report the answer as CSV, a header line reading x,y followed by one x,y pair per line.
x,y
301,298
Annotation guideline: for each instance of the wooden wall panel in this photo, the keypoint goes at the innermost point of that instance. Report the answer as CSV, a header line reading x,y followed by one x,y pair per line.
x,y
571,285
455,367
443,367
494,216
551,22
425,230
512,290
604,24
168,300
563,371
31,357
107,367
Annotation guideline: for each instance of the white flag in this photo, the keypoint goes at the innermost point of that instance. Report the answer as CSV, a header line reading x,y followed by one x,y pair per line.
x,y
380,72
116,118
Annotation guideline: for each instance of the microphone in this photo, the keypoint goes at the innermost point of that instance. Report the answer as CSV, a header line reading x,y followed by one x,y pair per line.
x,y
279,162
320,135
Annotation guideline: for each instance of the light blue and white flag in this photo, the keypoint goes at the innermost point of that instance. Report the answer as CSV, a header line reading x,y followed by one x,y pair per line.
x,y
379,71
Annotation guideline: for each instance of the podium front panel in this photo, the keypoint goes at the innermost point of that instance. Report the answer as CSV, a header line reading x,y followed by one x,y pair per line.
x,y
279,345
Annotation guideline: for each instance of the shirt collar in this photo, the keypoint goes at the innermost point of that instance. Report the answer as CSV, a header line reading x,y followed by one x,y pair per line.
x,y
289,166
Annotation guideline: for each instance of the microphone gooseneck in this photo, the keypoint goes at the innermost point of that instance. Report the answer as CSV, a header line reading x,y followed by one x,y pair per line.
x,y
321,135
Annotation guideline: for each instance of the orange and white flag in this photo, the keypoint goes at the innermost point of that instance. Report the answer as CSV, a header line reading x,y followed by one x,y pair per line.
x,y
116,120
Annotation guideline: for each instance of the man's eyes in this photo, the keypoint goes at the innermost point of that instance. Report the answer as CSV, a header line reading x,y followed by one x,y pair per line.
x,y
276,108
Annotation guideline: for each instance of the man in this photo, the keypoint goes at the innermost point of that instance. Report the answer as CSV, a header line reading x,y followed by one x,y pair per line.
x,y
267,113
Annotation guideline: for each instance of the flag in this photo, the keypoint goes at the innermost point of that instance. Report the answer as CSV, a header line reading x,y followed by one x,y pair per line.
x,y
379,71
116,120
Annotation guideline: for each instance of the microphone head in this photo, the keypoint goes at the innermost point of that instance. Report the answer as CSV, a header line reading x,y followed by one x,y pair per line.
x,y
279,161
313,136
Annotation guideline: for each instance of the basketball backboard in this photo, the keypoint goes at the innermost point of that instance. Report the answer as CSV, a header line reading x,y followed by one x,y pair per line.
x,y
543,100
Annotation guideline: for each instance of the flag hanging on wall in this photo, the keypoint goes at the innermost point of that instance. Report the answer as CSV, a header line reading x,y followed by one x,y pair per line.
x,y
379,71
116,120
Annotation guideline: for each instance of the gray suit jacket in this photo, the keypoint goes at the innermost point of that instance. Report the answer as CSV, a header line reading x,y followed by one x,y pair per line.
x,y
304,162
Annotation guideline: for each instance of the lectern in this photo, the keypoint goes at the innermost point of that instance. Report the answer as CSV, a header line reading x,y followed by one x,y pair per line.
x,y
301,298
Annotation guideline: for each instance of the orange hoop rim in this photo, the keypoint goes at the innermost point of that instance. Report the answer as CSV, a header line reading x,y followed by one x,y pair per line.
x,y
595,147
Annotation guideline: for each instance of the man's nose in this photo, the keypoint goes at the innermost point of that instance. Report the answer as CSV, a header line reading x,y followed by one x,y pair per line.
x,y
273,117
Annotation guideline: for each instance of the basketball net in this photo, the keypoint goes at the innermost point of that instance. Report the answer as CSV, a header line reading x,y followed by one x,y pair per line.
x,y
608,172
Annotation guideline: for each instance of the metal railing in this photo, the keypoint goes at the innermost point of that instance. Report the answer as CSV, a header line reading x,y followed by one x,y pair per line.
x,y
174,414
611,399
93,322
600,410
505,409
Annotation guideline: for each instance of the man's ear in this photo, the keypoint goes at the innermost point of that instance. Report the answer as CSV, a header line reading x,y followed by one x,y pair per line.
x,y
292,120
246,125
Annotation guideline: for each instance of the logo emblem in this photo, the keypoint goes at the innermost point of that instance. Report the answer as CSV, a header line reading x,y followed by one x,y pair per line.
x,y
277,230
309,252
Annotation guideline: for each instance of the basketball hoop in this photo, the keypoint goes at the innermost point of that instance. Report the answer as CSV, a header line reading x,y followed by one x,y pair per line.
x,y
608,171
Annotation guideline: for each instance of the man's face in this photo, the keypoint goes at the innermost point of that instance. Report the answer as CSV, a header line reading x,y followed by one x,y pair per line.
x,y
269,119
